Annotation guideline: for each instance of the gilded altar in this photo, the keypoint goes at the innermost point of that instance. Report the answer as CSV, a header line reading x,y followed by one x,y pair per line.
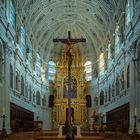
x,y
78,92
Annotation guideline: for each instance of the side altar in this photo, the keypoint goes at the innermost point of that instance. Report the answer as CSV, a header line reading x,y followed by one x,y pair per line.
x,y
77,93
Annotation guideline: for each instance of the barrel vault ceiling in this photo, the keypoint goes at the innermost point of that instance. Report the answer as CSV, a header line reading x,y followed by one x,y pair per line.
x,y
48,19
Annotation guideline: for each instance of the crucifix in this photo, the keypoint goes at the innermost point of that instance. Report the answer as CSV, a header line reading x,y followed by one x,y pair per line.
x,y
69,42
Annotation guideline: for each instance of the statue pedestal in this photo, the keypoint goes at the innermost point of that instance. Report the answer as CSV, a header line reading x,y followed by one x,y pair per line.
x,y
78,129
60,134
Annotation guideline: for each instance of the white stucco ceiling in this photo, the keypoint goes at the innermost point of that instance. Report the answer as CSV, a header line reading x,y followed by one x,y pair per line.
x,y
50,19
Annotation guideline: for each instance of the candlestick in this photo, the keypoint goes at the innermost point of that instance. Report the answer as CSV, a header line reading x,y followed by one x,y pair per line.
x,y
135,132
3,111
135,111
3,132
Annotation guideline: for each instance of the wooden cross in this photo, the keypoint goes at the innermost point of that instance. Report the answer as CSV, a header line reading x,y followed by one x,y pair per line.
x,y
69,41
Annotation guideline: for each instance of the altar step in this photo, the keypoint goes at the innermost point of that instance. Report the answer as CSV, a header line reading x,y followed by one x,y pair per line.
x,y
22,136
49,133
82,138
92,133
53,135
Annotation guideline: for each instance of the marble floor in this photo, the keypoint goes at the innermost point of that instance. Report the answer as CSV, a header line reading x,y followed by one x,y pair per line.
x,y
52,135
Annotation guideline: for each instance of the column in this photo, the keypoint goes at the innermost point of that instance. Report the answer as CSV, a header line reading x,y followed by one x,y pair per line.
x,y
132,96
82,114
6,87
14,71
90,117
138,107
79,114
76,113
41,94
48,114
58,114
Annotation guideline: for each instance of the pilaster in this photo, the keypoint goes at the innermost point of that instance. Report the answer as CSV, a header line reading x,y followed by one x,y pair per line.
x,y
132,103
6,89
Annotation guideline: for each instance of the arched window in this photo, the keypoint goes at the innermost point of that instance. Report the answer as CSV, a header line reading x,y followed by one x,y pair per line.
x,y
26,91
34,97
95,73
51,71
38,98
22,86
12,13
102,98
96,101
122,80
127,13
106,96
88,70
117,85
38,65
1,61
128,77
23,41
30,94
117,39
113,89
138,62
31,54
11,76
109,93
109,52
44,100
17,81
101,63
117,35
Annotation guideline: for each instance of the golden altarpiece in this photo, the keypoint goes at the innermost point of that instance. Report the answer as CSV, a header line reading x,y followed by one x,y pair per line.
x,y
78,90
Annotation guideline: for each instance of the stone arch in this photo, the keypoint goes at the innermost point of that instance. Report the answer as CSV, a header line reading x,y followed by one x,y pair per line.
x,y
117,85
96,101
34,97
113,88
122,79
138,56
109,93
17,81
22,85
102,97
44,100
30,93
11,76
1,61
38,97
26,90
128,76
105,96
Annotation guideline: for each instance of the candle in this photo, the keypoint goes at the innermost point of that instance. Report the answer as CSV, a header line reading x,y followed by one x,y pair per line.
x,y
3,111
135,111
